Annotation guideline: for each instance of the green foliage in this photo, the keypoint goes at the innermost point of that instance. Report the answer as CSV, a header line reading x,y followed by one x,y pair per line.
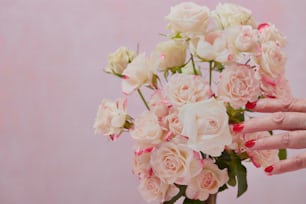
x,y
222,188
235,115
236,170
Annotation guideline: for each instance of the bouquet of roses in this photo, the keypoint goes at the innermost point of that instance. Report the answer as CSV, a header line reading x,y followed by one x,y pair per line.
x,y
204,79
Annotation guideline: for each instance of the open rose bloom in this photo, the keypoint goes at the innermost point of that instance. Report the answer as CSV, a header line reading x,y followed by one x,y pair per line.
x,y
201,77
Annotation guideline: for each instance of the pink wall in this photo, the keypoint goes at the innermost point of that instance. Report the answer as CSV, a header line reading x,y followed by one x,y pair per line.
x,y
51,58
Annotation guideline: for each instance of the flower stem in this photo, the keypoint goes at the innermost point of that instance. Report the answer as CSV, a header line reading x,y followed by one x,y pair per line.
x,y
212,199
210,72
143,99
193,65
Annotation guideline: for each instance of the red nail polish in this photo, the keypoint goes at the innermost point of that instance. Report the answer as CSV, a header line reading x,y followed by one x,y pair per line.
x,y
238,127
251,105
250,143
269,169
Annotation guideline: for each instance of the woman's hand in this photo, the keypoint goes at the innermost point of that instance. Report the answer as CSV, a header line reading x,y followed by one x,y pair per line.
x,y
287,115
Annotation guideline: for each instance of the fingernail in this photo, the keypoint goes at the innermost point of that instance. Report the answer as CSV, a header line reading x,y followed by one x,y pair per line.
x,y
269,169
238,127
251,105
250,143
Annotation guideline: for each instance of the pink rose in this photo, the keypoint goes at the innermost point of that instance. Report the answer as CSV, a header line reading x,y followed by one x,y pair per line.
x,y
147,131
269,32
141,164
182,89
175,162
111,117
208,181
158,104
206,126
262,158
173,122
276,88
238,85
188,19
273,60
154,189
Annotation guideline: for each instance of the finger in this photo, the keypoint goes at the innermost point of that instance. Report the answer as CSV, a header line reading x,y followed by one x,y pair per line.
x,y
291,139
276,105
291,164
275,121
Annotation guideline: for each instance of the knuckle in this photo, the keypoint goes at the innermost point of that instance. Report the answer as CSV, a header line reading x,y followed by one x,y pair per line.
x,y
278,117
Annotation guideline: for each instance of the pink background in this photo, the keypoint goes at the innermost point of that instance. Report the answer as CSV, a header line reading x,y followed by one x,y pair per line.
x,y
52,54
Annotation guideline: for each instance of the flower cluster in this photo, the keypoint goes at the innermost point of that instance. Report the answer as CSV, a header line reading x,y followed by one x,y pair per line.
x,y
212,65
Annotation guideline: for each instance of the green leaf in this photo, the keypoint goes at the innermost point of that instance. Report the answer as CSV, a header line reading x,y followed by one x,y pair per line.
x,y
236,171
242,179
235,115
222,188
282,154
243,156
232,179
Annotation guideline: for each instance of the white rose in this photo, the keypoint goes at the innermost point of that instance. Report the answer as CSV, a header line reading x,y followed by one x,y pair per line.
x,y
273,60
138,73
278,88
213,46
208,181
153,189
206,125
111,117
228,14
118,60
147,131
175,162
188,19
172,53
